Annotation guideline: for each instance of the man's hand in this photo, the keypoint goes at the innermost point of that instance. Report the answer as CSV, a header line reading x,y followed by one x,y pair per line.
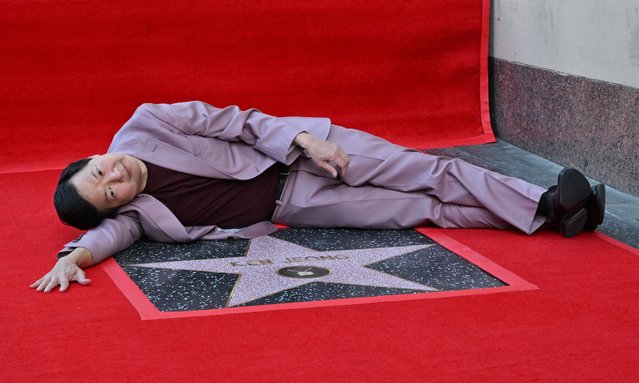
x,y
325,154
66,270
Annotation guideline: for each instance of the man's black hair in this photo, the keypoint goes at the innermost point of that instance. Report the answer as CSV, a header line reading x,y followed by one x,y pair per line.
x,y
71,207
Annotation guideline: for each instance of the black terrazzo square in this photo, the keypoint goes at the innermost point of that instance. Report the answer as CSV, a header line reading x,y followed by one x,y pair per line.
x,y
296,265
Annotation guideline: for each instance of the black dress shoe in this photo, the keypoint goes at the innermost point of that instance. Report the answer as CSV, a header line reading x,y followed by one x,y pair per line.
x,y
565,203
596,207
572,224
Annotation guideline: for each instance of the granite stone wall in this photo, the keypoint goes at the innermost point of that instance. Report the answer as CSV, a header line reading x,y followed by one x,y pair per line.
x,y
575,121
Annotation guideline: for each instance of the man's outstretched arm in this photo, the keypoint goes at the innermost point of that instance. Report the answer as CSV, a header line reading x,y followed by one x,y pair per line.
x,y
67,269
110,237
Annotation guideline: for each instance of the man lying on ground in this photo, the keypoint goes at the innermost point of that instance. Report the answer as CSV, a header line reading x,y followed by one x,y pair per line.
x,y
189,171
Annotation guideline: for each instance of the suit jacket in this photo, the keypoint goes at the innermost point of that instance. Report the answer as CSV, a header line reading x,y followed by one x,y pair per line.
x,y
199,139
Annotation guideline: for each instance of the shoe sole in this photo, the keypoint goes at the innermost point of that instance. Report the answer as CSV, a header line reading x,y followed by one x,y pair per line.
x,y
572,225
574,189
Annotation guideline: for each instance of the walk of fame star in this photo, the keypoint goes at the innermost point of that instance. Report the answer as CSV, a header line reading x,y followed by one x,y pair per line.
x,y
272,265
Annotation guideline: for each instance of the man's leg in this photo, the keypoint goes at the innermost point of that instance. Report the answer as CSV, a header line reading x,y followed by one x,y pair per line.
x,y
377,162
310,200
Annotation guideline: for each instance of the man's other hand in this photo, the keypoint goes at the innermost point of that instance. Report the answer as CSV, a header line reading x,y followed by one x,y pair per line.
x,y
67,269
325,154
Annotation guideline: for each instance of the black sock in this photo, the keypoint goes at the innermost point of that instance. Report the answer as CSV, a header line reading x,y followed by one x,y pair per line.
x,y
545,207
542,207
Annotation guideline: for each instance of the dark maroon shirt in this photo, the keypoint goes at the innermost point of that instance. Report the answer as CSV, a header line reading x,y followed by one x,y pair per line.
x,y
202,201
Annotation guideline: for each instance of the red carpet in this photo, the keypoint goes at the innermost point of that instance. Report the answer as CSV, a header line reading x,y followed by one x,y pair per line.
x,y
73,71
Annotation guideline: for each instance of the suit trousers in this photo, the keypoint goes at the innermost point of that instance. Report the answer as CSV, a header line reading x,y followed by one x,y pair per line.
x,y
387,186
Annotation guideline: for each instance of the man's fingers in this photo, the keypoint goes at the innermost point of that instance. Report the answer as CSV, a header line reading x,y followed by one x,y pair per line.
x,y
333,166
43,283
81,278
329,168
341,160
342,163
48,283
64,285
51,285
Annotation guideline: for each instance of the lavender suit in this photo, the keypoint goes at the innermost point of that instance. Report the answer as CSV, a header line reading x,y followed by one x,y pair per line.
x,y
386,186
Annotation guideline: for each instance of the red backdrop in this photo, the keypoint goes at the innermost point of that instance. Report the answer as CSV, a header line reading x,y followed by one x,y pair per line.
x,y
73,71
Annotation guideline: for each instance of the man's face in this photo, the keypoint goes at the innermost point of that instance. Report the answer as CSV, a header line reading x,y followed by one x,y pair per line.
x,y
110,180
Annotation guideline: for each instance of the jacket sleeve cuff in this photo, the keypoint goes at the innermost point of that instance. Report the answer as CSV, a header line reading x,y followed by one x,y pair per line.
x,y
276,134
110,237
